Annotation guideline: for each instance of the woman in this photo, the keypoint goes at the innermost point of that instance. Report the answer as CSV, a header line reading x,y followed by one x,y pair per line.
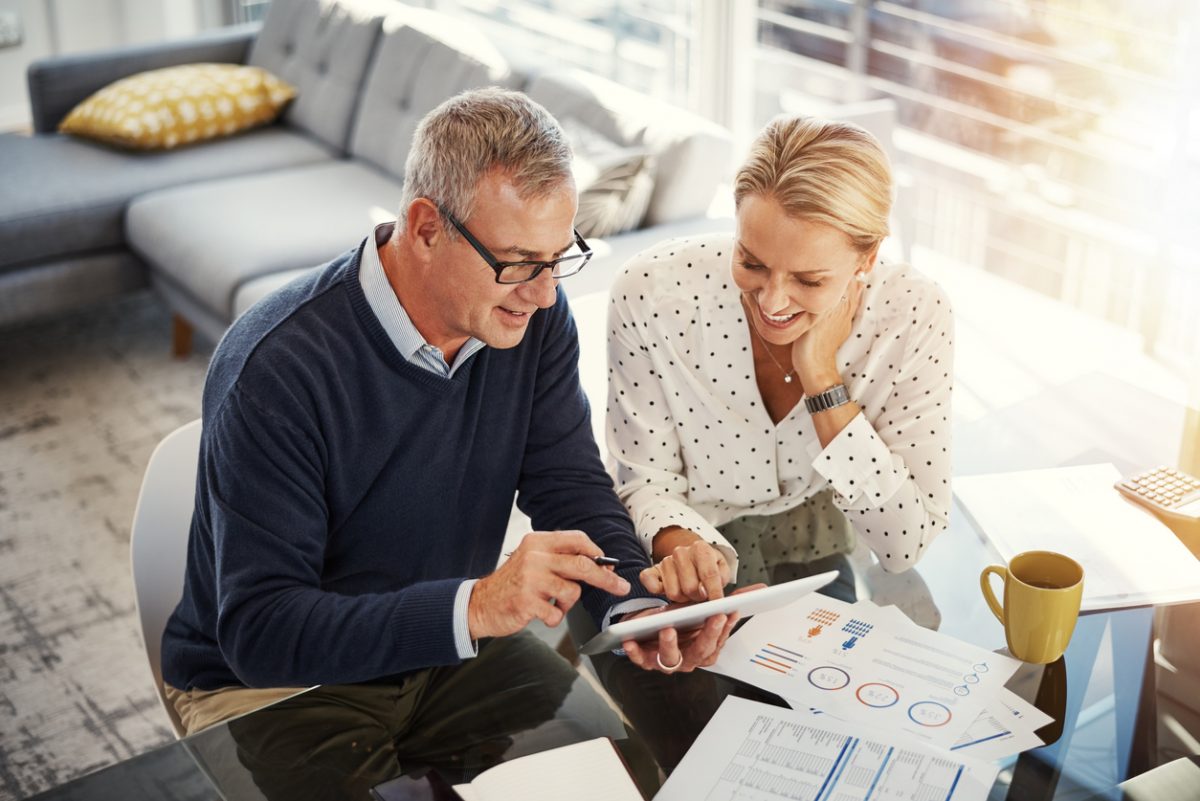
x,y
777,392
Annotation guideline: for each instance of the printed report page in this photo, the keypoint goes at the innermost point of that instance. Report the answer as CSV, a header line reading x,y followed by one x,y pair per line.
x,y
754,752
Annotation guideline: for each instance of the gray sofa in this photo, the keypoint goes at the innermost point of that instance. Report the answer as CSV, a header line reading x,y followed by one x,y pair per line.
x,y
216,226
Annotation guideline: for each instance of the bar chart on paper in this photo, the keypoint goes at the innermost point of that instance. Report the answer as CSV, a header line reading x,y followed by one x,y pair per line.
x,y
776,659
860,663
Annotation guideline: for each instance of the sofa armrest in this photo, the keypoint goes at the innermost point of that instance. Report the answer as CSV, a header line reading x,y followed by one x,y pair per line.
x,y
58,84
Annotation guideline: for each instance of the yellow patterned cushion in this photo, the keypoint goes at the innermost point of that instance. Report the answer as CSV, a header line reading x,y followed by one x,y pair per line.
x,y
165,108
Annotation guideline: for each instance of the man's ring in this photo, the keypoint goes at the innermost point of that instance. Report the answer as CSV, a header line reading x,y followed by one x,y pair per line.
x,y
668,668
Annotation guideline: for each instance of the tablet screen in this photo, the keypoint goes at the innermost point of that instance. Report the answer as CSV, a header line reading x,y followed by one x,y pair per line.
x,y
685,617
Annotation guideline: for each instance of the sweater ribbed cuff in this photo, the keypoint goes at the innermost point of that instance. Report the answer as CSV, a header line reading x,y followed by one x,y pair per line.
x,y
422,628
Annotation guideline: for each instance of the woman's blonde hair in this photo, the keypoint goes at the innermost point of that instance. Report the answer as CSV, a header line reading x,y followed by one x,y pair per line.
x,y
822,171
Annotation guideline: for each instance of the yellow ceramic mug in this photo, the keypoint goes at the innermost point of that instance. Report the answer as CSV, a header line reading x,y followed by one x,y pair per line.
x,y
1042,591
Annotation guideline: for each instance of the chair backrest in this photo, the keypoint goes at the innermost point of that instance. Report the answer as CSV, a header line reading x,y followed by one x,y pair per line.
x,y
591,320
159,540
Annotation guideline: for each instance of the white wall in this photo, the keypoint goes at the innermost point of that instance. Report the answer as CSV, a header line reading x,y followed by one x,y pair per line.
x,y
73,26
14,103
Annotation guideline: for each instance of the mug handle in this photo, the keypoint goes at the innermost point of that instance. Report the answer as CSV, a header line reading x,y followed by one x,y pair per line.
x,y
988,594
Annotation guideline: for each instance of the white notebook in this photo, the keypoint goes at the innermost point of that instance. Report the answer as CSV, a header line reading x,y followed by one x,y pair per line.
x,y
1129,557
587,771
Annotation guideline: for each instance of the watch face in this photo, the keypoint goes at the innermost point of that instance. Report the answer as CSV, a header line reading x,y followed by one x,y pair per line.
x,y
834,396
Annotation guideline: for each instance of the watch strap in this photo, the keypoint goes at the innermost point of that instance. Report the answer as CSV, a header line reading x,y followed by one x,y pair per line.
x,y
823,401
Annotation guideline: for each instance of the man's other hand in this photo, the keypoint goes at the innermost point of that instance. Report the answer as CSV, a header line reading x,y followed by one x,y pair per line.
x,y
540,581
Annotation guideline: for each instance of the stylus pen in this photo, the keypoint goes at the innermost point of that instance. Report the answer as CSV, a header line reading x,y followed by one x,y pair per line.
x,y
603,561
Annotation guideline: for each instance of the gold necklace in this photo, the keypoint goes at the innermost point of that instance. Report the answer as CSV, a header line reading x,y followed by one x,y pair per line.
x,y
788,375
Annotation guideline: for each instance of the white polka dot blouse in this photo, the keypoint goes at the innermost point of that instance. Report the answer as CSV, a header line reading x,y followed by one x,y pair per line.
x,y
695,447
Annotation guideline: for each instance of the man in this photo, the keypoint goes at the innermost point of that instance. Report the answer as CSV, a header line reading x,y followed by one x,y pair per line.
x,y
366,428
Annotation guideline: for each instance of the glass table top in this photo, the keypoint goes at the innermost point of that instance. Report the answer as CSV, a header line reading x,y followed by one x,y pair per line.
x,y
1125,698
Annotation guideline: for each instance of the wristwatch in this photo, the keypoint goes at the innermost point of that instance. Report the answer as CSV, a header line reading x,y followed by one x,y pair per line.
x,y
829,399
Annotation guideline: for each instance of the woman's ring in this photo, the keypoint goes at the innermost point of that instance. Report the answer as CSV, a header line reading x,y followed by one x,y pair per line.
x,y
668,668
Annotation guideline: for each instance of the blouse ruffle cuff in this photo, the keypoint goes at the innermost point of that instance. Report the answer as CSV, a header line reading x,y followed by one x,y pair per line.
x,y
859,465
653,520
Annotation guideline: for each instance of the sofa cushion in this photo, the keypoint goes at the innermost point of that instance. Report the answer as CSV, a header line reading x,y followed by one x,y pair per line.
x,y
422,59
321,47
256,289
173,106
241,228
59,83
693,155
64,196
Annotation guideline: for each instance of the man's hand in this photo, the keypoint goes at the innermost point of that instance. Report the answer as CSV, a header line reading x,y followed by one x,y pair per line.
x,y
688,569
539,581
683,652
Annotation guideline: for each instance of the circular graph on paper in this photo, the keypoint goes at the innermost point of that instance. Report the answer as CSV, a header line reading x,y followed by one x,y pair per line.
x,y
828,677
879,696
930,714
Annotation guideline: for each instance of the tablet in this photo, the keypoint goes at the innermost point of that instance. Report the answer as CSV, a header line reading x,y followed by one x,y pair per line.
x,y
691,616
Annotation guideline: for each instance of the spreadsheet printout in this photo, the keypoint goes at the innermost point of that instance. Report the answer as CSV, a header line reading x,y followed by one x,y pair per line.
x,y
751,751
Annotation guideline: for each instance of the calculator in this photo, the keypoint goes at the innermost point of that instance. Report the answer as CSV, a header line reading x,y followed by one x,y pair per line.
x,y
1169,493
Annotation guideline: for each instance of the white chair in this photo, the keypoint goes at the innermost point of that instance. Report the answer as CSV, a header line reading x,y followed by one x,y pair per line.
x,y
158,542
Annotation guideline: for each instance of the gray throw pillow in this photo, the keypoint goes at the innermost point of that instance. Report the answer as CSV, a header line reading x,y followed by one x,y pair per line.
x,y
617,199
615,183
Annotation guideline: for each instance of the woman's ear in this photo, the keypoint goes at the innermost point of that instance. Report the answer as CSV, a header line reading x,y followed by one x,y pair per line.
x,y
868,261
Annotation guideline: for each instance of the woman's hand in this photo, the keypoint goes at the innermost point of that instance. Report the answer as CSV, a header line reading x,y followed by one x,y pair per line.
x,y
814,354
688,569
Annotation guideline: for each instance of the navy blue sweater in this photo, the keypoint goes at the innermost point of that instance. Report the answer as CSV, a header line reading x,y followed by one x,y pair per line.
x,y
344,494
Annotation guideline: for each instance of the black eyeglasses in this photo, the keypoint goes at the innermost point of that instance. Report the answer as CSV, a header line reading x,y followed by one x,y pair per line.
x,y
518,272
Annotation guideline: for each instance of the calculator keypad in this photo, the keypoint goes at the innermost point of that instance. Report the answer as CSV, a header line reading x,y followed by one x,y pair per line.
x,y
1165,487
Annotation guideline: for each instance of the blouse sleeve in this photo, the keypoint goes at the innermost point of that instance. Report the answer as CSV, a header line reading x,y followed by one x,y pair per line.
x,y
890,466
643,435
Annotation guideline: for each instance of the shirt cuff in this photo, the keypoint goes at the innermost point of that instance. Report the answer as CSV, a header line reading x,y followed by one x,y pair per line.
x,y
858,464
467,648
663,514
628,607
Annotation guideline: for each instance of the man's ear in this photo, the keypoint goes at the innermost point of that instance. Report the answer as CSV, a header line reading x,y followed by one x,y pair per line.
x,y
424,230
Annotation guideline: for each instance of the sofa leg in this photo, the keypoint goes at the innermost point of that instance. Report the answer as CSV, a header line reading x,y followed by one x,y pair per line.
x,y
181,337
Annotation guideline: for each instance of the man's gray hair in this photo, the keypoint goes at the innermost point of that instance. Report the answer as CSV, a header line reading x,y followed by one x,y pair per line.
x,y
475,132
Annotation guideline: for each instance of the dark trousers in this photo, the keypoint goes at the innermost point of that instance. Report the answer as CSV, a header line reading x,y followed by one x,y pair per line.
x,y
518,696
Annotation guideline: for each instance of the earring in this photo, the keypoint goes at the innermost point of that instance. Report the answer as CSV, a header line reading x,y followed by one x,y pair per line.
x,y
861,277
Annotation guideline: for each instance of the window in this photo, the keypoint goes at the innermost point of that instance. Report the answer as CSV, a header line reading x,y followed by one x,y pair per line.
x,y
643,44
247,10
1054,143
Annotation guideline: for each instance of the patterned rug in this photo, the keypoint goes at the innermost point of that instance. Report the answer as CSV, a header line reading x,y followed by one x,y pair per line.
x,y
83,402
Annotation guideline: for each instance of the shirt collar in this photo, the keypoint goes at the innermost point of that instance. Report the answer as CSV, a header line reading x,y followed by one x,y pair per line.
x,y
387,307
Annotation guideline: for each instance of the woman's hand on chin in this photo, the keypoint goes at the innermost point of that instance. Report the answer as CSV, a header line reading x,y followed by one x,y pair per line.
x,y
814,353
